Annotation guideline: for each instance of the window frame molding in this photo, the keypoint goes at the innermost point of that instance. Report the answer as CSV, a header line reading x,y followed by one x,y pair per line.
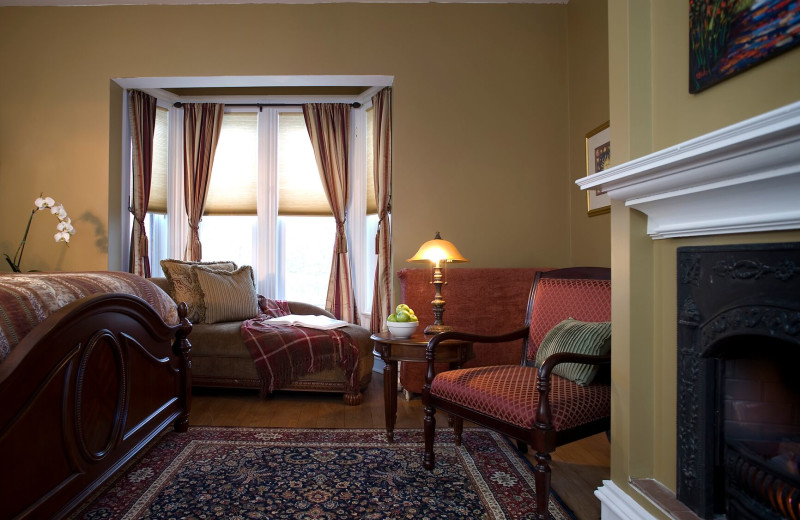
x,y
267,259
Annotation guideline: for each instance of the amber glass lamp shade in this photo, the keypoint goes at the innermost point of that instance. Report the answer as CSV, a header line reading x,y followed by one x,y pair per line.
x,y
436,252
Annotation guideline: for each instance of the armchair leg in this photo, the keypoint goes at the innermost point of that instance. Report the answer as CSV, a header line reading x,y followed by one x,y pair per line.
x,y
458,428
542,480
429,425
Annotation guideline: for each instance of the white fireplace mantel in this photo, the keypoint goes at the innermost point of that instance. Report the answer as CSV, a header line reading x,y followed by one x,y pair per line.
x,y
742,178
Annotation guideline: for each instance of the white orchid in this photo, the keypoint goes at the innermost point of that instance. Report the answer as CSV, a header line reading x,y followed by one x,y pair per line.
x,y
44,202
59,211
64,227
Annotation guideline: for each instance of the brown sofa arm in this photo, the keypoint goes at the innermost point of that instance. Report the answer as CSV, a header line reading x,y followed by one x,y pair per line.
x,y
307,308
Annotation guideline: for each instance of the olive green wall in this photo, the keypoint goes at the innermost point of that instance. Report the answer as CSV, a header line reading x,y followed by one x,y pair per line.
x,y
651,109
483,126
587,22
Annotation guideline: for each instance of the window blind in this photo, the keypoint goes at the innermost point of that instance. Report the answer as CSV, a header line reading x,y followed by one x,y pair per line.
x,y
234,174
299,184
158,182
372,205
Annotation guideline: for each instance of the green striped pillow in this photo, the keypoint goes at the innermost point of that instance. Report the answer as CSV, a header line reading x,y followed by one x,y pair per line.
x,y
227,295
579,337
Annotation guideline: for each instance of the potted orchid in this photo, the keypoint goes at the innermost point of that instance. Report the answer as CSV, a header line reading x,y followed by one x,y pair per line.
x,y
64,228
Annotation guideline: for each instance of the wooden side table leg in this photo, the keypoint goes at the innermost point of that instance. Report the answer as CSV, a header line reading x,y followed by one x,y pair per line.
x,y
390,397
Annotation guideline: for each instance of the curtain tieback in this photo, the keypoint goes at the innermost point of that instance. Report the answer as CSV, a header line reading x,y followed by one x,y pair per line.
x,y
341,238
144,245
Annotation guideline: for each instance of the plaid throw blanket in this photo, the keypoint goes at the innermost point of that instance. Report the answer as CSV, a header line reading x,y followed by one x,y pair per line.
x,y
283,352
26,299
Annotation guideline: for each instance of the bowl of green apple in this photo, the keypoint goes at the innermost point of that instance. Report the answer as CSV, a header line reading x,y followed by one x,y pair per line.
x,y
403,322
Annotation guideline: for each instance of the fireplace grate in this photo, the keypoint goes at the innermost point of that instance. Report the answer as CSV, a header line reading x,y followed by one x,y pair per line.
x,y
762,480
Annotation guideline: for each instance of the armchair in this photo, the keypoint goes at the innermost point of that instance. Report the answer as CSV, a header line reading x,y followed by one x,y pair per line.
x,y
529,402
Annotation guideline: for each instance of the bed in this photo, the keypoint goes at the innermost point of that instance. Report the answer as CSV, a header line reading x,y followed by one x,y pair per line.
x,y
93,366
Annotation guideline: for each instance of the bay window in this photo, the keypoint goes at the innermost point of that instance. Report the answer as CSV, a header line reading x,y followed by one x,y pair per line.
x,y
266,206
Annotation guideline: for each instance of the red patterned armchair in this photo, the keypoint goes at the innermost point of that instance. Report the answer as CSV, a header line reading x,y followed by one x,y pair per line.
x,y
559,392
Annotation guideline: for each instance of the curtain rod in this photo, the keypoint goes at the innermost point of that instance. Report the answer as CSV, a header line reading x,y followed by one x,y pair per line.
x,y
178,104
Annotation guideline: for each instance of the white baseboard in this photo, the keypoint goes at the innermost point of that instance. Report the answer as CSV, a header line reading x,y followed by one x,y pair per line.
x,y
615,504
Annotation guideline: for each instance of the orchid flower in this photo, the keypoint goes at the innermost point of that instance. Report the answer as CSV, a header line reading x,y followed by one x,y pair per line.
x,y
44,202
59,211
64,227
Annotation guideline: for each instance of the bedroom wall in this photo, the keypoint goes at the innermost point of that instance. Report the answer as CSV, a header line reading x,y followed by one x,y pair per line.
x,y
651,109
481,101
587,22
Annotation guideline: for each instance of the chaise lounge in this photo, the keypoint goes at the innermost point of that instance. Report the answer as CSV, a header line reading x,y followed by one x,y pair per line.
x,y
221,358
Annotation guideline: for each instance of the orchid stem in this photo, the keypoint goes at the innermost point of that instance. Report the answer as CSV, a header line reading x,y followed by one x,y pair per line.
x,y
21,248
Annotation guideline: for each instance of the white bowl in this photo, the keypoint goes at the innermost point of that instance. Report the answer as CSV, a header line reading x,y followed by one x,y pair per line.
x,y
402,329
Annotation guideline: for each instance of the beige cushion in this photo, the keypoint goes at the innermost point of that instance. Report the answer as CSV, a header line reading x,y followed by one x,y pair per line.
x,y
227,295
184,287
579,337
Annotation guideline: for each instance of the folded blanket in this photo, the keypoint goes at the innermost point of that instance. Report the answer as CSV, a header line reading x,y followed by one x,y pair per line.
x,y
26,299
282,353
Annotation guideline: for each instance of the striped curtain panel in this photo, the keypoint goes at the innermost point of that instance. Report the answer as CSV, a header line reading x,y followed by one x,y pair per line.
x,y
329,129
201,127
142,118
381,299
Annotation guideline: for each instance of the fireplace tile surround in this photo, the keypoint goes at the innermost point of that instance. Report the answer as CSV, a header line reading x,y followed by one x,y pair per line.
x,y
738,339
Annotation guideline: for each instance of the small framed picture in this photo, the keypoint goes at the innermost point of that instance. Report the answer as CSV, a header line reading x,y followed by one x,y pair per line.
x,y
598,158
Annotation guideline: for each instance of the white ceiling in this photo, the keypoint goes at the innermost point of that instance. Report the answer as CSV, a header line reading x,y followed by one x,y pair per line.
x,y
191,2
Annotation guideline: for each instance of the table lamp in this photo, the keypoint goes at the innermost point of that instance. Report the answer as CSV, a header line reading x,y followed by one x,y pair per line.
x,y
437,251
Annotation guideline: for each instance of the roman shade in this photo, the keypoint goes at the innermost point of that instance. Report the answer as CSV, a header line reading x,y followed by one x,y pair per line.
x,y
234,177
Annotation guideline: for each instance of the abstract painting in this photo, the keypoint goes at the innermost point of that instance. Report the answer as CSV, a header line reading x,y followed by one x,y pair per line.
x,y
727,37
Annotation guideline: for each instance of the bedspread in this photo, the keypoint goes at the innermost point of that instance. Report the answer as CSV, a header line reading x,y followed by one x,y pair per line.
x,y
26,299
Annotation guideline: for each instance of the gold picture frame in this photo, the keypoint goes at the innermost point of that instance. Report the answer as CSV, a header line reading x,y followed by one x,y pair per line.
x,y
598,158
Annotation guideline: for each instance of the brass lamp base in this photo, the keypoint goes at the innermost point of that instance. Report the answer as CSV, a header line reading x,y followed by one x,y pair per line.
x,y
430,330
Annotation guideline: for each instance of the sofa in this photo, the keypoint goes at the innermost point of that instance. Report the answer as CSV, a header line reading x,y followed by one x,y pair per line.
x,y
478,300
220,357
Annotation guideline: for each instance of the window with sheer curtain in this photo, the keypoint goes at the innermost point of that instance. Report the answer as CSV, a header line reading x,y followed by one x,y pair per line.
x,y
256,151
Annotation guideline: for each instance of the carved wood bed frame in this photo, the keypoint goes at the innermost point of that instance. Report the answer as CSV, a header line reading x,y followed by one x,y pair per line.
x,y
81,394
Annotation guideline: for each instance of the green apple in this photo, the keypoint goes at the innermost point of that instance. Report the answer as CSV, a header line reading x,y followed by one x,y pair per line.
x,y
403,316
392,317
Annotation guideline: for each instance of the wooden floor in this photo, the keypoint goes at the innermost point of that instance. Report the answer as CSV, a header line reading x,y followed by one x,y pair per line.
x,y
577,469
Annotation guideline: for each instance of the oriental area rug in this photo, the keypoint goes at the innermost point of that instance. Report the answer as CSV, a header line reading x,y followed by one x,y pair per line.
x,y
270,473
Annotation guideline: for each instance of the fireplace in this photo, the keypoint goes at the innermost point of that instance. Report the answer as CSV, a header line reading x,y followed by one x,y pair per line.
x,y
738,385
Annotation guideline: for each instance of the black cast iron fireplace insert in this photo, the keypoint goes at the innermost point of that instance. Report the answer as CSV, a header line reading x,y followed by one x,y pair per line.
x,y
739,380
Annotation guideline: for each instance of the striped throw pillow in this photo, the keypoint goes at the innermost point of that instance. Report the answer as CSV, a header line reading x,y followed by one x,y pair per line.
x,y
183,286
227,295
579,337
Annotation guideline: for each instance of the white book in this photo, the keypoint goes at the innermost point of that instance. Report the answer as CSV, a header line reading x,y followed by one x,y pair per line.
x,y
312,321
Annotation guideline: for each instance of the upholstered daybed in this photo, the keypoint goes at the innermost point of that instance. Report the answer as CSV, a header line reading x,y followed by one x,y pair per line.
x,y
220,355
92,367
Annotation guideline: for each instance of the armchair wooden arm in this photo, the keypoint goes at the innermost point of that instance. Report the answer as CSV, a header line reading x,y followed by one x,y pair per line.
x,y
430,350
